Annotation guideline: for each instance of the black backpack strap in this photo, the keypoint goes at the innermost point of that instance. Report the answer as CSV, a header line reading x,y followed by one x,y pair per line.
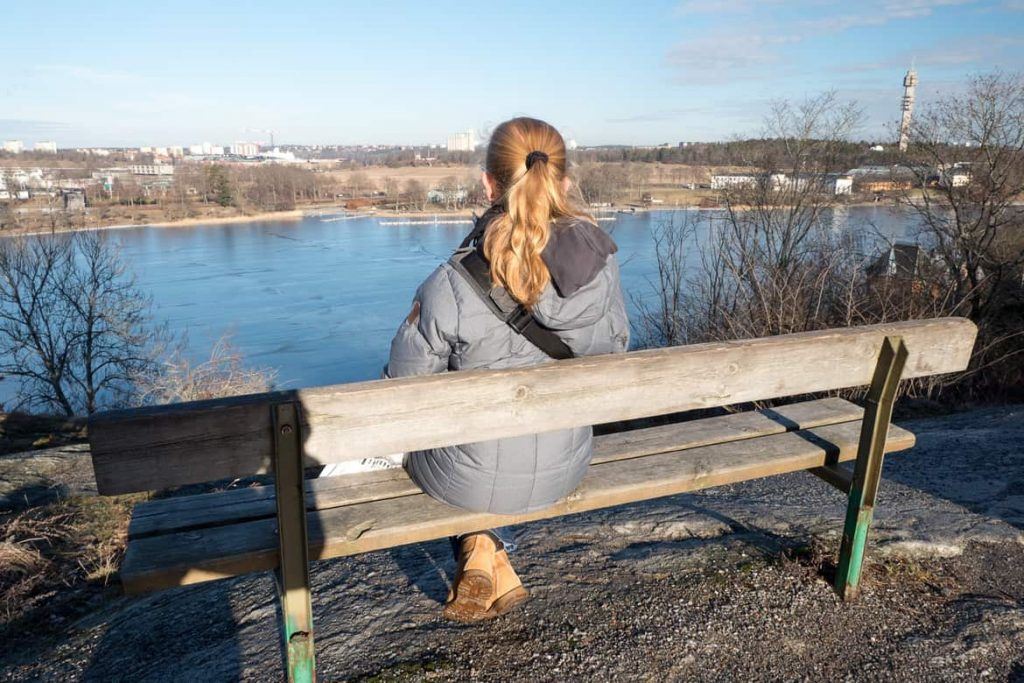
x,y
473,267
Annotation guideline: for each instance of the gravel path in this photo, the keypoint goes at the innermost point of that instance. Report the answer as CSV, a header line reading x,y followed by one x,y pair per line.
x,y
727,584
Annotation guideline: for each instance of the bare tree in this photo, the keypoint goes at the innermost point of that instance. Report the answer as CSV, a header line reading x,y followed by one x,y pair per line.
x,y
9,217
449,188
969,149
389,186
55,213
187,179
358,184
602,182
773,248
74,327
415,194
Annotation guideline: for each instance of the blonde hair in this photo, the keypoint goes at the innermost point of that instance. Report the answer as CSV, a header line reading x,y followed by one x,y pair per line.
x,y
533,194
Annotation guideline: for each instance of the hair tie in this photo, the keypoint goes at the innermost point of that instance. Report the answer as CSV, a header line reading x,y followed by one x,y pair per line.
x,y
535,156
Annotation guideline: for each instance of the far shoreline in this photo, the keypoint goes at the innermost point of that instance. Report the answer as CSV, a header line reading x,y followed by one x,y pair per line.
x,y
421,217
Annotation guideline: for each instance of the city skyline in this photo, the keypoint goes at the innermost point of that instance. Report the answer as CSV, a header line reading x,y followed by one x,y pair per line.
x,y
409,74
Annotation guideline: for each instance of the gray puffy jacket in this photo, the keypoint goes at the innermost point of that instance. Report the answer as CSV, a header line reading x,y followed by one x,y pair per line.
x,y
456,330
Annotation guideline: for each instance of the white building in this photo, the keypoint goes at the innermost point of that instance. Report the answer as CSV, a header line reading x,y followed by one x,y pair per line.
x,y
722,181
206,149
245,149
13,146
175,151
839,183
957,175
445,196
465,141
48,147
829,183
151,169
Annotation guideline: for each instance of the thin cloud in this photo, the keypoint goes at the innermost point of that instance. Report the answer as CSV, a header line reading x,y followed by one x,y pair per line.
x,y
722,6
715,58
756,47
88,74
27,127
981,51
662,115
878,15
741,111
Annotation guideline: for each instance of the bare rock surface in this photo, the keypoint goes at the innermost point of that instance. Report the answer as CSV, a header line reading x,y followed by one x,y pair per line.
x,y
37,477
725,584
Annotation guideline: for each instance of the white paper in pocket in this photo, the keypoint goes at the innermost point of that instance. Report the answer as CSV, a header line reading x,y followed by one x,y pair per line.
x,y
381,462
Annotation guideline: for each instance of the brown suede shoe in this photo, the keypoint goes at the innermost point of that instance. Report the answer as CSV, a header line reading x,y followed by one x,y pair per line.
x,y
473,587
509,592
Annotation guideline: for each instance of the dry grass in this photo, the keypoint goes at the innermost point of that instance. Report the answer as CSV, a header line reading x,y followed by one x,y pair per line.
x,y
55,558
224,374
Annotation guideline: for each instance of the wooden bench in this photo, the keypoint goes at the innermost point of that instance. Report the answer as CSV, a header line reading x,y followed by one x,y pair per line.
x,y
196,538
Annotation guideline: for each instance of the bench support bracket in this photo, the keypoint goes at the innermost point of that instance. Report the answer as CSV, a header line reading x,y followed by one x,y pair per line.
x,y
293,571
867,471
834,474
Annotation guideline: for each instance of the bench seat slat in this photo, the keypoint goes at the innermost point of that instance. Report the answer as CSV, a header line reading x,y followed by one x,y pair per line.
x,y
239,505
206,554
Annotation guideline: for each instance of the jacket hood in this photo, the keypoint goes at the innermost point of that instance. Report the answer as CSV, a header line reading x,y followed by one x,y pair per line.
x,y
576,251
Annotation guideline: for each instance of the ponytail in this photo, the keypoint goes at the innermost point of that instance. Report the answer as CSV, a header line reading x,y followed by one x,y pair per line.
x,y
526,158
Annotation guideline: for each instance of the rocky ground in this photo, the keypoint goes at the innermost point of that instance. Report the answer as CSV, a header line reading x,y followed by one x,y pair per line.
x,y
727,584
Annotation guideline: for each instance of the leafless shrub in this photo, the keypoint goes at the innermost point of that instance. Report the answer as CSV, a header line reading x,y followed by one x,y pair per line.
x,y
768,263
662,317
224,374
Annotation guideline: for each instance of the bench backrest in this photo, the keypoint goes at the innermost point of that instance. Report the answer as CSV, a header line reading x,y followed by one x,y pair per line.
x,y
151,448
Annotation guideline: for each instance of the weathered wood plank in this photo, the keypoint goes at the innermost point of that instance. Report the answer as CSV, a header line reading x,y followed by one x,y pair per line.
x,y
356,483
154,448
229,507
202,555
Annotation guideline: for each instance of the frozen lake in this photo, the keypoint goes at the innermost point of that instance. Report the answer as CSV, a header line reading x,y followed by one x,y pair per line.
x,y
319,299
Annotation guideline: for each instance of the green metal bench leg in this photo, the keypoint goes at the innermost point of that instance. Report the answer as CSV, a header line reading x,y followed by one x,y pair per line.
x,y
293,571
867,471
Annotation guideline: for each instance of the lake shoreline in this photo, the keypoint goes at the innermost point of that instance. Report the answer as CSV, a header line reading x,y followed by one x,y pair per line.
x,y
414,217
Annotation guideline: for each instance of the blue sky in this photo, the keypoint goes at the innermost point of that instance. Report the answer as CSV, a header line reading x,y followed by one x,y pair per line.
x,y
130,73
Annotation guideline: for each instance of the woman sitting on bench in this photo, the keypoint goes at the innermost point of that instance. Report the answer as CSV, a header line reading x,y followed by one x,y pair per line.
x,y
555,294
